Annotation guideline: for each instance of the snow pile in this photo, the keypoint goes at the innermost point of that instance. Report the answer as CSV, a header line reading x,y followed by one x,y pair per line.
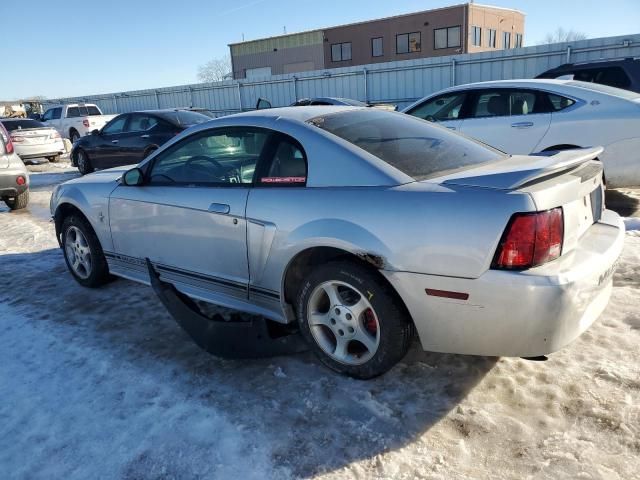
x,y
103,384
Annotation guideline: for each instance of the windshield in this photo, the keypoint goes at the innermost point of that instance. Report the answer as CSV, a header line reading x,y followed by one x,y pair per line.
x,y
413,146
598,87
12,125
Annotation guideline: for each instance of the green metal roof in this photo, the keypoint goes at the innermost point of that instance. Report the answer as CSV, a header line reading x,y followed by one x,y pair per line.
x,y
284,41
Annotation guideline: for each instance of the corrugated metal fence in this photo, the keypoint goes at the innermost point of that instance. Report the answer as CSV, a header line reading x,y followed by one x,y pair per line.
x,y
395,82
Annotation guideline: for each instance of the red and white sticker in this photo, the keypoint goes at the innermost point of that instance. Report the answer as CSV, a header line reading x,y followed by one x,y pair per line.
x,y
283,179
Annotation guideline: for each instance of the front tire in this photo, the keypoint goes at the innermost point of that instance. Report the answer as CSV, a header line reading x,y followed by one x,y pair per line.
x,y
83,252
18,202
353,320
84,164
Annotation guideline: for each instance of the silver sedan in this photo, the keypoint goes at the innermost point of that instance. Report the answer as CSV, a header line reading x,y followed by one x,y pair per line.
x,y
363,227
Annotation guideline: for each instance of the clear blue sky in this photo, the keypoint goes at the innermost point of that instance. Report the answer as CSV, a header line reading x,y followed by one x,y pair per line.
x,y
71,47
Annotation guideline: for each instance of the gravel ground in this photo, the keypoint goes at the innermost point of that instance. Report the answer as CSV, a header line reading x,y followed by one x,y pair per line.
x,y
103,384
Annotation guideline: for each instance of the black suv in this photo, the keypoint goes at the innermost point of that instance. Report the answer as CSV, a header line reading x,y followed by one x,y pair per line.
x,y
615,73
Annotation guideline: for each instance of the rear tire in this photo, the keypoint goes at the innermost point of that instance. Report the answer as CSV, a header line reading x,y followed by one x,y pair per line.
x,y
83,253
74,136
353,321
84,163
18,202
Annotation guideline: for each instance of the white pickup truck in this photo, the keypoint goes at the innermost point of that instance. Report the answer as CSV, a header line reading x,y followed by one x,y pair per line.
x,y
75,120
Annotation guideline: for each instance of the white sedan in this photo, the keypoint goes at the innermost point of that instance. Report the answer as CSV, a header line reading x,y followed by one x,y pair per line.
x,y
534,116
32,139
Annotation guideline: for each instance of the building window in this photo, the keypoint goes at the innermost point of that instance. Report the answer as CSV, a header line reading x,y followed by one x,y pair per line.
x,y
446,37
377,47
492,38
408,42
341,52
506,39
518,40
476,36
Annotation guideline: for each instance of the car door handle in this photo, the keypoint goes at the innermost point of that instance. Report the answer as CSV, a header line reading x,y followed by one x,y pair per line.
x,y
114,141
219,208
522,124
144,136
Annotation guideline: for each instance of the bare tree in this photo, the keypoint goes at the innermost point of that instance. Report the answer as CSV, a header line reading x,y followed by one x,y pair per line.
x,y
215,70
562,35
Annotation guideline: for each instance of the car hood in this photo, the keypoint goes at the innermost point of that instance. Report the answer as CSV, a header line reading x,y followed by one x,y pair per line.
x,y
102,176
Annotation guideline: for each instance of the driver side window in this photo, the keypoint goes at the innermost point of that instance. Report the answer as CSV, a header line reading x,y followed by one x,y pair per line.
x,y
440,109
226,156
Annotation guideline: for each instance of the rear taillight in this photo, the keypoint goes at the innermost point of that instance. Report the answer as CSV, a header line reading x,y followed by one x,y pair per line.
x,y
8,145
85,122
530,239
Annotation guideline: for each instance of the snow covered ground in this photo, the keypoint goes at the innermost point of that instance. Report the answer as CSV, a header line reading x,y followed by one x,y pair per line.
x,y
103,384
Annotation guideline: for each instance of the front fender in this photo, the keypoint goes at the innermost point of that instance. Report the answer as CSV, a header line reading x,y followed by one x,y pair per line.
x,y
93,204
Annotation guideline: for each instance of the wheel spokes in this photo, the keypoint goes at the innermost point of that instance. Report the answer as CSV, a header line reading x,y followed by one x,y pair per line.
x,y
331,290
317,319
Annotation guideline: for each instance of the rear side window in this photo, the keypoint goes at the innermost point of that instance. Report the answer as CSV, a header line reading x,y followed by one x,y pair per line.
x,y
413,146
559,102
73,112
288,166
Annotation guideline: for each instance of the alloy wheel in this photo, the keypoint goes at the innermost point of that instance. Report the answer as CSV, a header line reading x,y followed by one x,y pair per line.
x,y
343,323
78,252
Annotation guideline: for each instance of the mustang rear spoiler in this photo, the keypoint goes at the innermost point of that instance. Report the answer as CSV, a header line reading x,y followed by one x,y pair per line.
x,y
242,339
519,170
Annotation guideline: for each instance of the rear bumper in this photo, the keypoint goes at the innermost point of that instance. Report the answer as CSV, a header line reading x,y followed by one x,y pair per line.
x,y
521,314
8,185
37,151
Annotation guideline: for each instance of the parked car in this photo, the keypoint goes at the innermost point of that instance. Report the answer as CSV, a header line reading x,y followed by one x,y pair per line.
x,y
14,178
75,120
361,225
130,137
534,116
615,73
32,139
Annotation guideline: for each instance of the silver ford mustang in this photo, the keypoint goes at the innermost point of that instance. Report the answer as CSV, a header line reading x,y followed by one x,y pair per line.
x,y
361,225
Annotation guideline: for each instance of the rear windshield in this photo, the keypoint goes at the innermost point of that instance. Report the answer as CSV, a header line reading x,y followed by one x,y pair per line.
x,y
83,111
12,125
186,118
413,146
598,87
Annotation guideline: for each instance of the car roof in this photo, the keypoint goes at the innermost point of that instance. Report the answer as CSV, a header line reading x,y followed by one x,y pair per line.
x,y
301,114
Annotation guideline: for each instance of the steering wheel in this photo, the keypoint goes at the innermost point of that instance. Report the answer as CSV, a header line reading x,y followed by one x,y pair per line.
x,y
221,168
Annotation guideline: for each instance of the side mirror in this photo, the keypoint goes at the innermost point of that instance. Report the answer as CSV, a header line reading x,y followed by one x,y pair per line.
x,y
263,104
95,132
133,177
